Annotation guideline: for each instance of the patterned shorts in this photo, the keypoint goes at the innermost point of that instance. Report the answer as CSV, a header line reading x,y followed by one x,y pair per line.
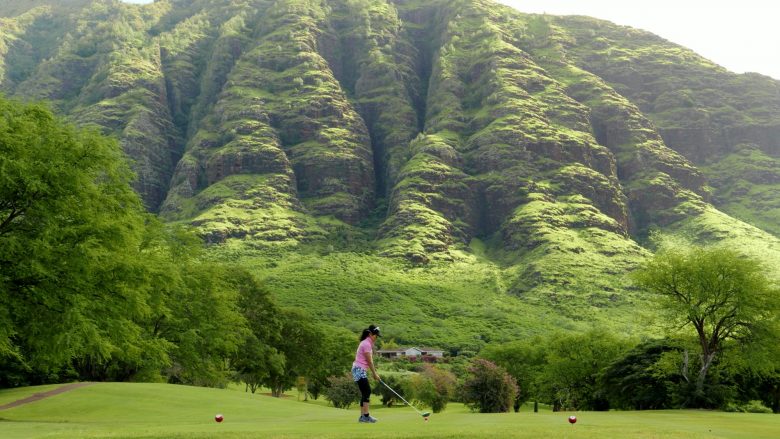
x,y
358,373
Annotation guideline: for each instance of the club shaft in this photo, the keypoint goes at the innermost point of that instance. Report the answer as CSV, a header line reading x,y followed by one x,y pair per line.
x,y
402,398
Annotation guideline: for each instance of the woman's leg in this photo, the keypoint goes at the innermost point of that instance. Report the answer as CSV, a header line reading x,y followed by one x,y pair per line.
x,y
365,394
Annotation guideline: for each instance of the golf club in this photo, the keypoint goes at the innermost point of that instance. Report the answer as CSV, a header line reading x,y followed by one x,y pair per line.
x,y
423,414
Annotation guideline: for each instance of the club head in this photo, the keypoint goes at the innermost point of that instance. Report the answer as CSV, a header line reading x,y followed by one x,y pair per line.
x,y
426,414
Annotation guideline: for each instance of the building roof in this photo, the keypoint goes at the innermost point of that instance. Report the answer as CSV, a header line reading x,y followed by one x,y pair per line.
x,y
412,347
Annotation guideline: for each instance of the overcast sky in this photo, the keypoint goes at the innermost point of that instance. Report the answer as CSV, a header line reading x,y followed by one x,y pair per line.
x,y
743,35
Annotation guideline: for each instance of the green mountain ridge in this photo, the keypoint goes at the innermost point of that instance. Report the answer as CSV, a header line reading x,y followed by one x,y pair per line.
x,y
458,169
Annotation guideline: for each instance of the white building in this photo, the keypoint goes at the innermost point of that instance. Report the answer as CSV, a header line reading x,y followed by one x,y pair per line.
x,y
433,352
411,352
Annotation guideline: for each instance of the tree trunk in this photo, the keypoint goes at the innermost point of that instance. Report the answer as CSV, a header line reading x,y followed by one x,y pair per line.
x,y
705,366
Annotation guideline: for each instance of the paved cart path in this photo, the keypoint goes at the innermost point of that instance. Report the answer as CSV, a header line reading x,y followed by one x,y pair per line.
x,y
40,396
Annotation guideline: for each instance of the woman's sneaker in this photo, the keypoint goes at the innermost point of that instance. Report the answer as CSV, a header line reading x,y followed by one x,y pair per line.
x,y
369,419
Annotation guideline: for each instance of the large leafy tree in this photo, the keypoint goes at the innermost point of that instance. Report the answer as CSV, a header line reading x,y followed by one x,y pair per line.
x,y
72,283
524,360
286,347
633,381
205,325
338,351
570,379
90,283
300,342
721,296
256,359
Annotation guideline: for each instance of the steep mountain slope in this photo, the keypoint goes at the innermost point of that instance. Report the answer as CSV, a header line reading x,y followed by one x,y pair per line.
x,y
726,124
13,8
457,167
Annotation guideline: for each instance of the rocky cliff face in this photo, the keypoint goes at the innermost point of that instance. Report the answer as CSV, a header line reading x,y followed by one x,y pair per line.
x,y
700,110
560,142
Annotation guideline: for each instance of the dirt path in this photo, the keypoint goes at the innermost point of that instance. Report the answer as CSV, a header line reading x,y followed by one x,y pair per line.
x,y
40,396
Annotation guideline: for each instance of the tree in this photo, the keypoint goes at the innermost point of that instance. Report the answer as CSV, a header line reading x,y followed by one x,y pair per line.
x,y
574,363
337,352
92,286
633,382
488,388
72,279
769,389
433,387
300,341
204,324
193,310
721,295
257,358
524,360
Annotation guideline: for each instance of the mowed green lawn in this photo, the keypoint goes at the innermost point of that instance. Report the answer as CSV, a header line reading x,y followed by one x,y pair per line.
x,y
169,411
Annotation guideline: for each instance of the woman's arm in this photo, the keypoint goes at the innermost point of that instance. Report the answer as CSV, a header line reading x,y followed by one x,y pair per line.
x,y
370,361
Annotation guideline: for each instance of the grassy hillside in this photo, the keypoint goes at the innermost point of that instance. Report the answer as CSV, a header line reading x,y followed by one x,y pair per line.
x,y
458,306
169,411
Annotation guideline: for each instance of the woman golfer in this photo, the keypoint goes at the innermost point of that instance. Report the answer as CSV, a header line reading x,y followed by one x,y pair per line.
x,y
363,362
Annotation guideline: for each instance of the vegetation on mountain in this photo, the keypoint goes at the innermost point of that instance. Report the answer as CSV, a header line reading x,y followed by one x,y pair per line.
x,y
707,114
457,171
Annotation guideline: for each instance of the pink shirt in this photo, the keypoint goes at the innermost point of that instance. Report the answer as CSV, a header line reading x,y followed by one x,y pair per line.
x,y
365,346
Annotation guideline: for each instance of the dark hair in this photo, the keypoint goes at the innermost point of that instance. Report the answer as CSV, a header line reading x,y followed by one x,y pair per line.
x,y
372,329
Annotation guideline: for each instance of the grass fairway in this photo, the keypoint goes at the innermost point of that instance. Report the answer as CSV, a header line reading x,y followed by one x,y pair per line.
x,y
124,410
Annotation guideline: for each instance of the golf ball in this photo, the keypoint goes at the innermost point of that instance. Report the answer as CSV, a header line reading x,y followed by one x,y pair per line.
x,y
572,419
219,418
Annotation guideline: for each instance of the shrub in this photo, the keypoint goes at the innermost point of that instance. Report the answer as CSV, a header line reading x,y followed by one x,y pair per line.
x,y
342,391
488,388
398,383
433,387
756,406
733,408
